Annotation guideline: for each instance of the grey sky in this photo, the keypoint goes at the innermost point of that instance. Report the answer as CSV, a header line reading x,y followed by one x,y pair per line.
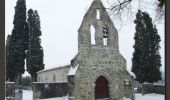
x,y
60,20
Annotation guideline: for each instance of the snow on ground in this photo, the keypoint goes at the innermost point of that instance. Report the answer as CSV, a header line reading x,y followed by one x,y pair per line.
x,y
59,98
152,96
27,95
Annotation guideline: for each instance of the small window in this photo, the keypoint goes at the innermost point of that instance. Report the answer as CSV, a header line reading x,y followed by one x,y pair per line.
x,y
98,14
54,78
92,31
39,79
105,35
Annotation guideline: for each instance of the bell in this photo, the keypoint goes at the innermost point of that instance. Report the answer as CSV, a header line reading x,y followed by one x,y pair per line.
x,y
105,31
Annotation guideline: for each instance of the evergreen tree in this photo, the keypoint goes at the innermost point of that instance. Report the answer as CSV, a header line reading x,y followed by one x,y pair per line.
x,y
146,61
19,40
10,72
35,51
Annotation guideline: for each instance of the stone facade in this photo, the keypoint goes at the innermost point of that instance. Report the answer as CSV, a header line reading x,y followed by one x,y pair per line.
x,y
96,60
57,74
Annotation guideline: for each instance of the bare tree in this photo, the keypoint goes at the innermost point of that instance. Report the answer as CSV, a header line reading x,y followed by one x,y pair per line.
x,y
122,8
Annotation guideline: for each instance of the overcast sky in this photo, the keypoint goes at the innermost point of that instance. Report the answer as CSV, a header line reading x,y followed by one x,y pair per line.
x,y
60,20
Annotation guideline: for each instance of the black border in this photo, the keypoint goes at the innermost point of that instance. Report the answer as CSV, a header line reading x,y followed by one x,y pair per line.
x,y
167,52
2,49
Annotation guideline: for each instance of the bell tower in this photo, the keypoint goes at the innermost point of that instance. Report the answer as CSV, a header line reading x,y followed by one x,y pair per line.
x,y
99,69
97,28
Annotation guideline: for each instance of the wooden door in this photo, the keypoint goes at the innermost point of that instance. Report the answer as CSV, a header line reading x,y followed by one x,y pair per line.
x,y
101,88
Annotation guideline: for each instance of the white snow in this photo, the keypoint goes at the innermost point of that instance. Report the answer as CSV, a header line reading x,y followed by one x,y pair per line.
x,y
124,98
72,70
159,84
152,96
27,95
56,98
9,82
52,82
130,73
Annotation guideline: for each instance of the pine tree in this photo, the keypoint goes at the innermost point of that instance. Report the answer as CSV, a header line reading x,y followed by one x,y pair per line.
x,y
146,60
19,40
35,51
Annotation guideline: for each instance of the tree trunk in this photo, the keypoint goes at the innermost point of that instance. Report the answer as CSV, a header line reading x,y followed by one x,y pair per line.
x,y
20,79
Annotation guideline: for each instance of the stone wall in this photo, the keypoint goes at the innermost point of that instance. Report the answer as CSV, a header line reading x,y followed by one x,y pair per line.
x,y
147,88
57,74
27,88
49,90
70,84
153,88
10,89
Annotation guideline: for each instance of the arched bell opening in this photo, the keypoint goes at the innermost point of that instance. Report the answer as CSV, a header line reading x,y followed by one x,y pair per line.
x,y
105,35
92,33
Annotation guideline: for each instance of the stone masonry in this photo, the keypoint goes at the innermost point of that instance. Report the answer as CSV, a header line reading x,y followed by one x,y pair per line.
x,y
97,59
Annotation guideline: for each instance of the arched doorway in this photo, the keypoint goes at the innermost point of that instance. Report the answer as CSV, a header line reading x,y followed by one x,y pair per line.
x,y
101,88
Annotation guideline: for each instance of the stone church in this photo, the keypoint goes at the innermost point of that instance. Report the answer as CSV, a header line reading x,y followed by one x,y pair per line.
x,y
98,71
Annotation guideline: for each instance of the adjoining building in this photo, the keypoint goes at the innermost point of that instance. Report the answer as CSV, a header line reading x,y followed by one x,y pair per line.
x,y
57,74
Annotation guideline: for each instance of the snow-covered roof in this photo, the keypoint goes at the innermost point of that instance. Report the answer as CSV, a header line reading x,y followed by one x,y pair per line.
x,y
130,73
72,70
75,55
56,98
55,68
52,82
9,82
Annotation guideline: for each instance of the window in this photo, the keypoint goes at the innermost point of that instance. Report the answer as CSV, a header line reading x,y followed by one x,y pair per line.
x,y
54,78
105,35
92,31
46,79
39,79
98,14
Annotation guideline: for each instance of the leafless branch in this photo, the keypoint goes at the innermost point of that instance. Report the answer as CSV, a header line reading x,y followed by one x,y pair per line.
x,y
125,2
122,8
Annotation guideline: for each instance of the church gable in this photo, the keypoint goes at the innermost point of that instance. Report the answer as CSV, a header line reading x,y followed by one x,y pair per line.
x,y
101,66
98,20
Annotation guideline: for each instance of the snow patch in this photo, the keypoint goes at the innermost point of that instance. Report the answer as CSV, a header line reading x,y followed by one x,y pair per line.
x,y
130,73
152,96
72,70
27,95
125,98
56,98
9,82
159,84
51,82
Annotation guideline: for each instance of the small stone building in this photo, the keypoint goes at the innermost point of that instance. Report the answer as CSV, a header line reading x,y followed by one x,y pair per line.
x,y
57,74
98,71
